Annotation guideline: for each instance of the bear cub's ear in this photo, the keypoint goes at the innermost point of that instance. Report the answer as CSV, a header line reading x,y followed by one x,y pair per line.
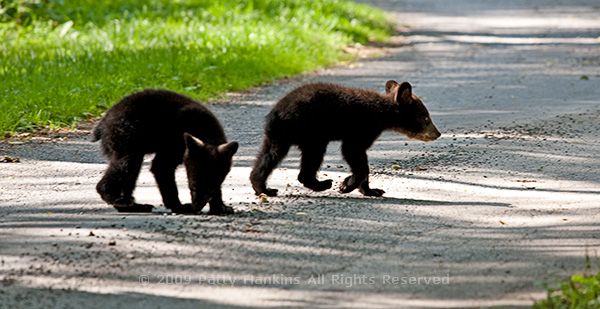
x,y
228,149
389,86
402,93
193,144
405,92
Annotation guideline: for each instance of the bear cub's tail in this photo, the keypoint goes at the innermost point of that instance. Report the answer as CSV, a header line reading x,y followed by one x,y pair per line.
x,y
97,132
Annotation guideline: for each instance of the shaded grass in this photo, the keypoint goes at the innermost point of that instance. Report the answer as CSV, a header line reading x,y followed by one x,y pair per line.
x,y
74,59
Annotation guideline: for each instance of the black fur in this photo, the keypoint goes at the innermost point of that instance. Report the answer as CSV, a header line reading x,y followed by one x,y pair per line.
x,y
177,129
313,115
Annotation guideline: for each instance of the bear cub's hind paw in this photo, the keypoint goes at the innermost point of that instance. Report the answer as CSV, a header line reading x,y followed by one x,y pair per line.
x,y
269,192
372,192
348,185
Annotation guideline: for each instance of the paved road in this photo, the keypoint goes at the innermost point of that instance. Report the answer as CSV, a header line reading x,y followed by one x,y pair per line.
x,y
507,199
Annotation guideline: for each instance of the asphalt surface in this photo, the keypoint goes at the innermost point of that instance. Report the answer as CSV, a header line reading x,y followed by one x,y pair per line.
x,y
506,200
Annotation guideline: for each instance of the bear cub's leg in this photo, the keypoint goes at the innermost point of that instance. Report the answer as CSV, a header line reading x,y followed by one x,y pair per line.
x,y
217,207
117,185
163,168
271,153
312,157
356,157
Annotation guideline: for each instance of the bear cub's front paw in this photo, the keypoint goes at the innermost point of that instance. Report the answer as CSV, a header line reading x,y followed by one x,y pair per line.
x,y
186,209
319,185
221,211
133,208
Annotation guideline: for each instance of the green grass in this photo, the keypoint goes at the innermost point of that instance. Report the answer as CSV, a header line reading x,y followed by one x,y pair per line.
x,y
64,61
580,292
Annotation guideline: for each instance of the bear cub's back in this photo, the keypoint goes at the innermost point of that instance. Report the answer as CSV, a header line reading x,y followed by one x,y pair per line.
x,y
149,120
327,110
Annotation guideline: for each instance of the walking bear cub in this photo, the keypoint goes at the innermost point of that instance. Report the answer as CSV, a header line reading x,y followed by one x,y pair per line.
x,y
177,129
313,115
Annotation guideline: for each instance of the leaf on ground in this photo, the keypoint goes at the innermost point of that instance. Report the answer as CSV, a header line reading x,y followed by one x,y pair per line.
x,y
263,198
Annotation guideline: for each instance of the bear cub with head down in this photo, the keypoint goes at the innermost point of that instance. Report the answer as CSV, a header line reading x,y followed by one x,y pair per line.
x,y
178,130
313,115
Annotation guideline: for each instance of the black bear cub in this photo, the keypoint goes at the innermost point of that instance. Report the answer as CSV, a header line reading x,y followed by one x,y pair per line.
x,y
313,115
177,129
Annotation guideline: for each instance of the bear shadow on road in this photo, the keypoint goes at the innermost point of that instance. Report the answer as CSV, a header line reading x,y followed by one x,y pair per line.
x,y
328,199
